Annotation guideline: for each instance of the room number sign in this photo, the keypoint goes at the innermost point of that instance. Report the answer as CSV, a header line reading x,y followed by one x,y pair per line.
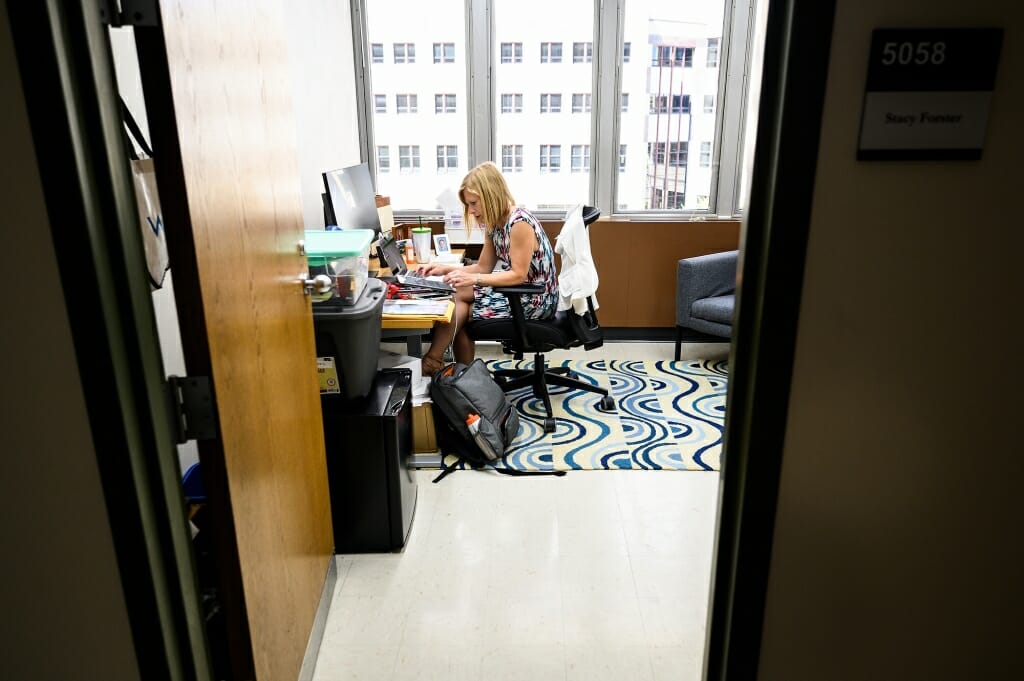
x,y
928,93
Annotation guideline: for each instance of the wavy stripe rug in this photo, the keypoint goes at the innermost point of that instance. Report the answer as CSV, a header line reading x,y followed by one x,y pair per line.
x,y
669,416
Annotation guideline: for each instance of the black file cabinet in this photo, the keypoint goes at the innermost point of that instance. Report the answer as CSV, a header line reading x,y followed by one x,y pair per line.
x,y
369,445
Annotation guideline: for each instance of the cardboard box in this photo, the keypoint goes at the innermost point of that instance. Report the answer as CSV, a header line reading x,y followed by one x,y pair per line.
x,y
424,439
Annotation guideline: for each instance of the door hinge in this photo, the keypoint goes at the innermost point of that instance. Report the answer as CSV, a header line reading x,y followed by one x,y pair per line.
x,y
192,401
117,13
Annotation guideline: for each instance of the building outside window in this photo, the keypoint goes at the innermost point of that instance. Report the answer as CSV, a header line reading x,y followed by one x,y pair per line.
x,y
709,104
405,53
444,103
384,159
625,103
409,158
550,158
677,153
380,103
712,62
447,158
511,158
705,154
626,47
622,158
580,158
581,103
582,53
511,53
377,53
406,103
550,103
551,53
512,103
444,53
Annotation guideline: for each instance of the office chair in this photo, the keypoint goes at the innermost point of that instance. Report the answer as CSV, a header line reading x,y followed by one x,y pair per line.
x,y
519,335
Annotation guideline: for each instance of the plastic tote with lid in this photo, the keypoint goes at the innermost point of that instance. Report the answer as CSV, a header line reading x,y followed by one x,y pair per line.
x,y
344,256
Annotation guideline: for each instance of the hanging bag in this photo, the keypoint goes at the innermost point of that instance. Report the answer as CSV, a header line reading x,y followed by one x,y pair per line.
x,y
151,221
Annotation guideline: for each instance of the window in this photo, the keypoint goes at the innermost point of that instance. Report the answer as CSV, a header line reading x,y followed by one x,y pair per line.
x,y
405,53
580,158
444,104
511,158
550,103
447,159
712,53
550,158
508,65
408,158
380,103
384,159
511,53
551,53
512,103
444,53
582,53
705,154
405,103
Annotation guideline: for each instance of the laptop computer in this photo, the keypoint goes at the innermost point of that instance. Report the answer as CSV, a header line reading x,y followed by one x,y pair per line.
x,y
395,262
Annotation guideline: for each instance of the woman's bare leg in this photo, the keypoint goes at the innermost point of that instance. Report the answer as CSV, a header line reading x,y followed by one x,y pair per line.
x,y
433,359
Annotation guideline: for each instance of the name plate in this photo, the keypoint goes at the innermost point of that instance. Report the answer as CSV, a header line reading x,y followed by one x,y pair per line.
x,y
928,93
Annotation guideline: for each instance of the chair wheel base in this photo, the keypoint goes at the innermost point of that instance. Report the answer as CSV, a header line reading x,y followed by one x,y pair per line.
x,y
607,403
549,425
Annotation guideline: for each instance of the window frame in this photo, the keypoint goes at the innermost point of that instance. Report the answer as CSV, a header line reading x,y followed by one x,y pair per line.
x,y
609,51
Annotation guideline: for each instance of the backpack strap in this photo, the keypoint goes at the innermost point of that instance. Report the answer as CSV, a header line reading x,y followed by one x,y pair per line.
x,y
504,471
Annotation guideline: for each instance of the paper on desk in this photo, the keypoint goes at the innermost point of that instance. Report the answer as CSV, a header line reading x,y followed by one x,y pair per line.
x,y
422,308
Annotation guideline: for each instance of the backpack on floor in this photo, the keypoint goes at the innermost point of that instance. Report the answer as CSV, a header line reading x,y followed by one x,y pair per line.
x,y
473,418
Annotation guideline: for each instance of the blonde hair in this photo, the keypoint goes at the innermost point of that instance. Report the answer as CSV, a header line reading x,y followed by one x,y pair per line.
x,y
487,182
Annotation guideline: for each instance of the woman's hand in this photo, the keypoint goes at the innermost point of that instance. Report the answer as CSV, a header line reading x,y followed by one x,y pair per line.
x,y
434,269
459,277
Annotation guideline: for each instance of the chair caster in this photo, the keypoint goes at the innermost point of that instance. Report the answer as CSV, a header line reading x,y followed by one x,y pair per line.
x,y
607,403
549,425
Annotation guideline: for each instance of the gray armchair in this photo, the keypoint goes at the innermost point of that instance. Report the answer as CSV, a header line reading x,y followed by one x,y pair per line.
x,y
705,298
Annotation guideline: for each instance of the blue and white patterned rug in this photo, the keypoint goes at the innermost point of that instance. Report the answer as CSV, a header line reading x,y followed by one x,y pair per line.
x,y
669,416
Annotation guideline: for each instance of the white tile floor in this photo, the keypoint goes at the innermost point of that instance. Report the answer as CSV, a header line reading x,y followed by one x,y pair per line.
x,y
597,575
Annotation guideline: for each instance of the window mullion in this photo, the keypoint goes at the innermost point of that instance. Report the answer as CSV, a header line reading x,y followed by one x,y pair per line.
x,y
364,85
479,86
733,85
605,107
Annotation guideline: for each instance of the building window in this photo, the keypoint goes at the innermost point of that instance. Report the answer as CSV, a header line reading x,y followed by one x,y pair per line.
x,y
580,158
550,103
667,55
406,104
680,104
512,103
511,53
377,53
551,53
380,103
550,158
447,159
625,102
712,53
511,158
677,153
444,53
625,53
709,104
408,158
705,154
622,158
384,159
444,104
581,103
405,53
582,53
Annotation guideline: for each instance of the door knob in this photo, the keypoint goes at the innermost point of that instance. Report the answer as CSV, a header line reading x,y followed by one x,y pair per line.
x,y
319,286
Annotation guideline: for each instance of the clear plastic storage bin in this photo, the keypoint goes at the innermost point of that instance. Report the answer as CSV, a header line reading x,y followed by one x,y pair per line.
x,y
344,256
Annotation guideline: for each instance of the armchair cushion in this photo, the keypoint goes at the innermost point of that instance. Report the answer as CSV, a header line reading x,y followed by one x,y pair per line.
x,y
705,293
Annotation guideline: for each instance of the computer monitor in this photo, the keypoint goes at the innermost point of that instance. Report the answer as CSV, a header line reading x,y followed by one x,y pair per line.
x,y
350,198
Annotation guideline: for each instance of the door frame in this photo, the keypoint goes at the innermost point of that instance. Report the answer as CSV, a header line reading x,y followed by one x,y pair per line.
x,y
773,248
66,66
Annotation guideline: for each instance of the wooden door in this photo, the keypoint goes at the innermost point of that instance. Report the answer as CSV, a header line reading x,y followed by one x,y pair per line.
x,y
218,98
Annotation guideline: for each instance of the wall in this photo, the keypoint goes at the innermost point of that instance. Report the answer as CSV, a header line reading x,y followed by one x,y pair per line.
x,y
64,614
897,547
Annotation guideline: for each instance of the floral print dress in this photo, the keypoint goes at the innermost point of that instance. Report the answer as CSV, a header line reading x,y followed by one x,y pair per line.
x,y
490,305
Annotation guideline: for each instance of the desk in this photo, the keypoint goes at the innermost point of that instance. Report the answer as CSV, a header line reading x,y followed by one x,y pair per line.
x,y
411,328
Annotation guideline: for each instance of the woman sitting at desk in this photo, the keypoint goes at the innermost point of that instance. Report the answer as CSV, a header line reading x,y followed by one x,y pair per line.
x,y
516,251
